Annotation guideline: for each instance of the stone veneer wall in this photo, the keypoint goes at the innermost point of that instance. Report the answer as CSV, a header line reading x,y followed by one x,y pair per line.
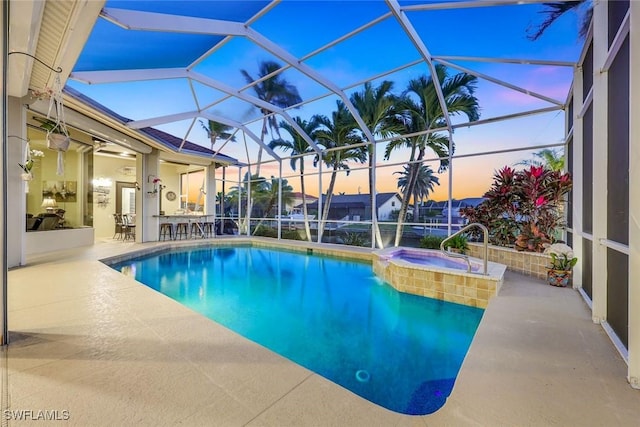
x,y
463,288
529,263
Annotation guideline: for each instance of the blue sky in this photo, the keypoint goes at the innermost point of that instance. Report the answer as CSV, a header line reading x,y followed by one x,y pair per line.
x,y
300,27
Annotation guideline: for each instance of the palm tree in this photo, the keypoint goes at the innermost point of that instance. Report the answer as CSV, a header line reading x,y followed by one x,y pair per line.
x,y
421,111
555,10
424,185
275,90
339,131
298,146
216,130
268,197
549,158
376,107
241,192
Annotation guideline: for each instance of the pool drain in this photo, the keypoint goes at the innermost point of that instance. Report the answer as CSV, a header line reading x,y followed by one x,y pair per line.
x,y
363,376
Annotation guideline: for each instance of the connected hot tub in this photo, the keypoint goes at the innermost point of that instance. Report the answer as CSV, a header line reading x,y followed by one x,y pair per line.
x,y
433,274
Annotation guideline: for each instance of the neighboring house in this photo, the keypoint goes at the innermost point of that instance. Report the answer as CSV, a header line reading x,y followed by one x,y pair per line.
x,y
357,207
456,205
295,207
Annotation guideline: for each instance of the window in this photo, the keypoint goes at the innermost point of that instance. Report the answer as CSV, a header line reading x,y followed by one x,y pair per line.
x,y
192,191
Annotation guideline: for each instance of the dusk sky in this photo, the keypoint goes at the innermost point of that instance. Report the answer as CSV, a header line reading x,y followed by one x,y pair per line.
x,y
301,27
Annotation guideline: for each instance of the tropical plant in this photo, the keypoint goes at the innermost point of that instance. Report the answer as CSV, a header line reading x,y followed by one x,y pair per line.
x,y
562,256
376,107
291,235
337,134
216,130
457,243
425,181
275,90
549,158
354,239
263,231
431,242
251,188
298,146
522,208
420,112
266,195
554,10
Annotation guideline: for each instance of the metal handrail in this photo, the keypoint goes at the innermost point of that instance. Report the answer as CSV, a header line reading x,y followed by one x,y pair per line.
x,y
485,233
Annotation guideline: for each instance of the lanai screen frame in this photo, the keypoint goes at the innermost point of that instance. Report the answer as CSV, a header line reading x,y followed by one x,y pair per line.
x,y
227,29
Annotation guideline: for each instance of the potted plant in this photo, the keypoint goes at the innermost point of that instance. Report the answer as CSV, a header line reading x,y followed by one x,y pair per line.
x,y
562,263
29,163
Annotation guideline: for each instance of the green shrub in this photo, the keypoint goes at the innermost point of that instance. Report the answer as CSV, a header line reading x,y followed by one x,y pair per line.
x,y
458,242
291,235
431,242
354,239
263,231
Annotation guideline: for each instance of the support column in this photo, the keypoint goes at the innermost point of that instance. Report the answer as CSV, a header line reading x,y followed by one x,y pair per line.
x,y
210,188
148,205
600,135
4,331
633,374
16,211
578,182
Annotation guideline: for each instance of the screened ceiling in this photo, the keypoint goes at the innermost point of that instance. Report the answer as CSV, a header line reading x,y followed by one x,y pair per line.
x,y
173,65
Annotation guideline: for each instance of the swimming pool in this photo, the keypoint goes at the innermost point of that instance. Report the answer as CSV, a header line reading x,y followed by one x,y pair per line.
x,y
332,316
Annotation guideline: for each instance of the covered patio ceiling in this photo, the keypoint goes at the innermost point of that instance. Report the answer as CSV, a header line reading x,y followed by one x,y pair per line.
x,y
173,64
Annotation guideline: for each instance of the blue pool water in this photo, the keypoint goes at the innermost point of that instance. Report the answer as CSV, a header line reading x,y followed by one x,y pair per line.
x,y
332,316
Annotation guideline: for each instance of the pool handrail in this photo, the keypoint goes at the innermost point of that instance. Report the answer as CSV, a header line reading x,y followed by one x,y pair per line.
x,y
485,232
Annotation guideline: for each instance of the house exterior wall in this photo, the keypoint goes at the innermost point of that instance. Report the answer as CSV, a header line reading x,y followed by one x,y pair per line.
x,y
384,211
608,69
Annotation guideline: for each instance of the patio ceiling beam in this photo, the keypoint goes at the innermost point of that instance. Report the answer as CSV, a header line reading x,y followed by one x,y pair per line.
x,y
470,4
502,83
253,100
290,59
148,21
415,38
508,117
139,124
346,36
233,123
160,120
123,76
505,60
162,22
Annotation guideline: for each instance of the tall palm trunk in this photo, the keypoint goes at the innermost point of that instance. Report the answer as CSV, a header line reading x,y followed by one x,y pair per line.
x,y
408,191
307,229
260,149
327,202
374,208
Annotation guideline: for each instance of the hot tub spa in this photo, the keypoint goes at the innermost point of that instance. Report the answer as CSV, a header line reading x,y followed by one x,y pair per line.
x,y
433,274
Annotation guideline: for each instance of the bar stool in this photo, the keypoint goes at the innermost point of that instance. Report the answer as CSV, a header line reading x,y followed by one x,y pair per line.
x,y
195,229
208,229
166,227
182,230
